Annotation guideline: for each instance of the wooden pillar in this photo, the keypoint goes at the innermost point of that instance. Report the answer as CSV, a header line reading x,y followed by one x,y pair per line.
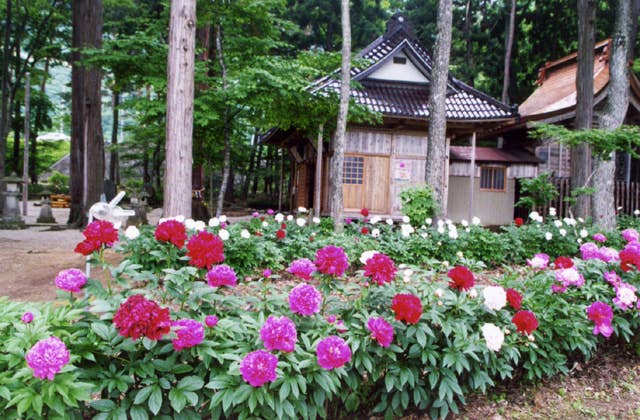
x,y
318,181
472,173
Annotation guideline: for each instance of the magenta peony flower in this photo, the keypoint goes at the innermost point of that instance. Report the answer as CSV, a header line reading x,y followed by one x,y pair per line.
x,y
205,249
569,277
189,333
222,275
27,317
259,367
602,315
279,333
303,268
332,260
613,278
47,357
589,251
333,352
380,268
267,273
211,321
304,299
539,261
381,331
71,280
608,255
599,237
630,235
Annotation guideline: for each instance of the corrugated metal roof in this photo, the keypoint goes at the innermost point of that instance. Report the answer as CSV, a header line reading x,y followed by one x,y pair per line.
x,y
492,154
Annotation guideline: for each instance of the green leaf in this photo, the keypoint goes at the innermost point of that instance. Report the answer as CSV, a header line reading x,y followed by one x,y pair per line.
x,y
177,399
143,394
101,330
284,390
138,413
190,383
103,405
155,400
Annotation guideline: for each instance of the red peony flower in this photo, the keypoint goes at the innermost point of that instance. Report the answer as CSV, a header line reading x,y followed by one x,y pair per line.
x,y
138,317
101,231
281,234
283,225
331,260
87,247
380,268
364,212
461,278
518,221
525,322
205,249
407,307
563,262
171,231
364,230
514,298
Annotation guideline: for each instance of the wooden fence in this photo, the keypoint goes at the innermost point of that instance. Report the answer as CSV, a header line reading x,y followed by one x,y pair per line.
x,y
626,196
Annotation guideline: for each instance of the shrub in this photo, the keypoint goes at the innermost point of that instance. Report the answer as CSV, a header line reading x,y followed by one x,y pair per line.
x,y
418,203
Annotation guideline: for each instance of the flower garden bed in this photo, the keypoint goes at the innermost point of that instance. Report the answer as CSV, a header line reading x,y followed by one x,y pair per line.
x,y
388,332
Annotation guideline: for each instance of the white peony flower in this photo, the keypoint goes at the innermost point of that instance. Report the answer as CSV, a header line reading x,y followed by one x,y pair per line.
x,y
131,233
223,219
301,222
389,221
405,219
279,217
459,254
636,212
179,218
464,223
223,234
199,226
584,233
374,220
563,232
552,211
190,223
407,230
302,210
428,221
534,215
440,223
569,221
453,234
214,222
289,217
495,297
424,235
375,232
440,229
316,220
557,223
265,224
245,234
445,263
475,221
493,336
548,236
364,257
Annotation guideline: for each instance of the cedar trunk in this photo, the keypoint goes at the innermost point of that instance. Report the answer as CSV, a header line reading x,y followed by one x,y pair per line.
x,y
613,115
226,131
4,99
507,54
581,154
436,153
180,85
335,187
87,143
114,164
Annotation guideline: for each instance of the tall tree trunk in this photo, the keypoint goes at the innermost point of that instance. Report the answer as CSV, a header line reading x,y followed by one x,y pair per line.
x,y
507,54
4,116
613,115
256,174
114,163
15,155
339,139
436,152
467,39
226,162
87,143
250,169
180,92
581,154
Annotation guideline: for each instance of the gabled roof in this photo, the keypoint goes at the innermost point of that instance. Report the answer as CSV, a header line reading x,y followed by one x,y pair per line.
x,y
492,154
410,99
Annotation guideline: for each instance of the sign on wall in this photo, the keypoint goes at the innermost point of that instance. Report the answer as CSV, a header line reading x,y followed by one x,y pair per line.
x,y
402,170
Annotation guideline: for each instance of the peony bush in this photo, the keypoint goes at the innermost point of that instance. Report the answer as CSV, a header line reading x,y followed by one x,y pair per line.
x,y
197,322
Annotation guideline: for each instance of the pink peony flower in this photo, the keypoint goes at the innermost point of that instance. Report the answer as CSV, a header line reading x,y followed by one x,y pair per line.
x,y
304,299
47,357
599,237
189,333
279,333
380,268
625,296
630,235
205,249
222,275
569,277
589,251
602,315
333,352
332,260
211,321
71,280
27,317
381,331
608,255
303,268
138,317
266,273
539,261
259,367
613,278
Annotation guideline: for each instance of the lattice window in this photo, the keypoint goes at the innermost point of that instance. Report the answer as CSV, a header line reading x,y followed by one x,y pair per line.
x,y
492,178
353,170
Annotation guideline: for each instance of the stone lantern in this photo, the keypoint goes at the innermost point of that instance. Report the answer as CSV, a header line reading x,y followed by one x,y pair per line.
x,y
11,209
46,215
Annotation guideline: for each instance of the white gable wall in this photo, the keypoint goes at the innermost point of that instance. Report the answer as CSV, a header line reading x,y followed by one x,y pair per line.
x,y
407,72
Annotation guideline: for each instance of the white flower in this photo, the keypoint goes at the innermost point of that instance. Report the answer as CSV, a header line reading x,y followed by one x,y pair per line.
x,y
579,240
563,232
440,223
627,296
364,257
214,222
223,219
302,210
459,254
407,230
131,233
453,233
493,336
179,218
540,219
445,263
374,220
428,221
475,221
438,293
199,226
552,211
636,212
534,215
316,220
557,223
580,219
440,229
473,293
494,297
289,217
190,223
279,217
301,222
464,223
223,234
405,219
407,273
375,232
584,233
389,221
569,221
245,234
548,236
424,235
162,220
265,224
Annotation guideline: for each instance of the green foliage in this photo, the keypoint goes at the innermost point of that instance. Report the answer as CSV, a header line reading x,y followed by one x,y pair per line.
x,y
58,182
418,203
537,191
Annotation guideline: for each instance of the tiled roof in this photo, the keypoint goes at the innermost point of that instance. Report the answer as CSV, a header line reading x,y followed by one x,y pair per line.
x,y
406,99
492,154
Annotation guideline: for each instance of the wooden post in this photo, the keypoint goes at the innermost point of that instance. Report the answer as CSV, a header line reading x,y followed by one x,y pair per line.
x,y
25,164
472,173
318,181
281,184
445,180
